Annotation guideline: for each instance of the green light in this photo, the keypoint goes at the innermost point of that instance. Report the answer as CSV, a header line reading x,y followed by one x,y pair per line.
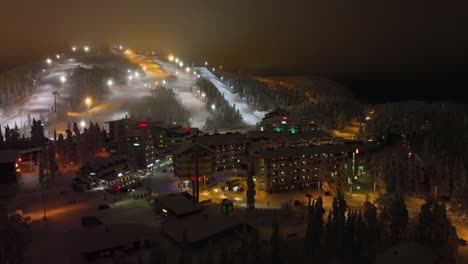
x,y
278,129
293,130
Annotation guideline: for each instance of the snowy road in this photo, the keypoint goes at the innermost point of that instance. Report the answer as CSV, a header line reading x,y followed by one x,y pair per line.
x,y
249,115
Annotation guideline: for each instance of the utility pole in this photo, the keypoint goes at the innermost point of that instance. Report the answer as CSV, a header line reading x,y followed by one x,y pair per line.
x,y
55,93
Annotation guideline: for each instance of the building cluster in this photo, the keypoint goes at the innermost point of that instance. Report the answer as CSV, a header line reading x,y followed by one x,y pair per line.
x,y
280,121
278,161
136,146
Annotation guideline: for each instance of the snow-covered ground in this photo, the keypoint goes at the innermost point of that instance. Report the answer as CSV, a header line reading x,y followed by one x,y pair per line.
x,y
116,104
182,86
250,115
43,100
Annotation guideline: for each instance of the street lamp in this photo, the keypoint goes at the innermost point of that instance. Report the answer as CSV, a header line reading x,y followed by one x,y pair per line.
x,y
73,48
110,82
88,101
181,64
63,79
170,58
120,47
86,48
213,107
57,56
82,123
187,69
206,63
164,82
176,60
49,61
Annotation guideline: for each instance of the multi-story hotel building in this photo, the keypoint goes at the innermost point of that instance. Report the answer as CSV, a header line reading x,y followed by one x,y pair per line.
x,y
292,168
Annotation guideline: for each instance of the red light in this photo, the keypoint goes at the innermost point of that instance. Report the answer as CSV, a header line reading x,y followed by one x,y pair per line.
x,y
285,118
117,188
192,178
143,125
410,153
187,129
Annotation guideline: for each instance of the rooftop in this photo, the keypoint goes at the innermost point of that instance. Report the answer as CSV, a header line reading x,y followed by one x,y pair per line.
x,y
9,155
105,162
222,139
303,150
179,203
199,227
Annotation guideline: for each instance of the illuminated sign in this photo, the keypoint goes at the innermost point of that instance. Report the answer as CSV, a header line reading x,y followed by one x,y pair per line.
x,y
143,125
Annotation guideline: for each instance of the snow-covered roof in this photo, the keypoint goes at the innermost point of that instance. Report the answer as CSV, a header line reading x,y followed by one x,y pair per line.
x,y
179,204
9,155
201,226
303,150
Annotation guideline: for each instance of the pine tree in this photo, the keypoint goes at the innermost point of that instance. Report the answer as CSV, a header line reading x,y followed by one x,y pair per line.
x,y
275,242
37,131
52,164
14,134
76,130
7,135
1,136
399,217
250,193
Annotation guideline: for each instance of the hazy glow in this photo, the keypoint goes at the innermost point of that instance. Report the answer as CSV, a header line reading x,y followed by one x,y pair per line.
x,y
187,69
82,123
170,58
73,48
110,82
49,61
86,48
88,101
181,64
63,79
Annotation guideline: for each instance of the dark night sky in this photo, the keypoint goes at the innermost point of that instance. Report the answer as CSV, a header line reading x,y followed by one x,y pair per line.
x,y
397,46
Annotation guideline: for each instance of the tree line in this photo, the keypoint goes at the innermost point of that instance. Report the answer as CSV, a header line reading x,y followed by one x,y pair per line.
x,y
223,113
162,105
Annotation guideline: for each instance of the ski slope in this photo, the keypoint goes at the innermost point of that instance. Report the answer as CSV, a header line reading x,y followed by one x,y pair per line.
x,y
250,115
